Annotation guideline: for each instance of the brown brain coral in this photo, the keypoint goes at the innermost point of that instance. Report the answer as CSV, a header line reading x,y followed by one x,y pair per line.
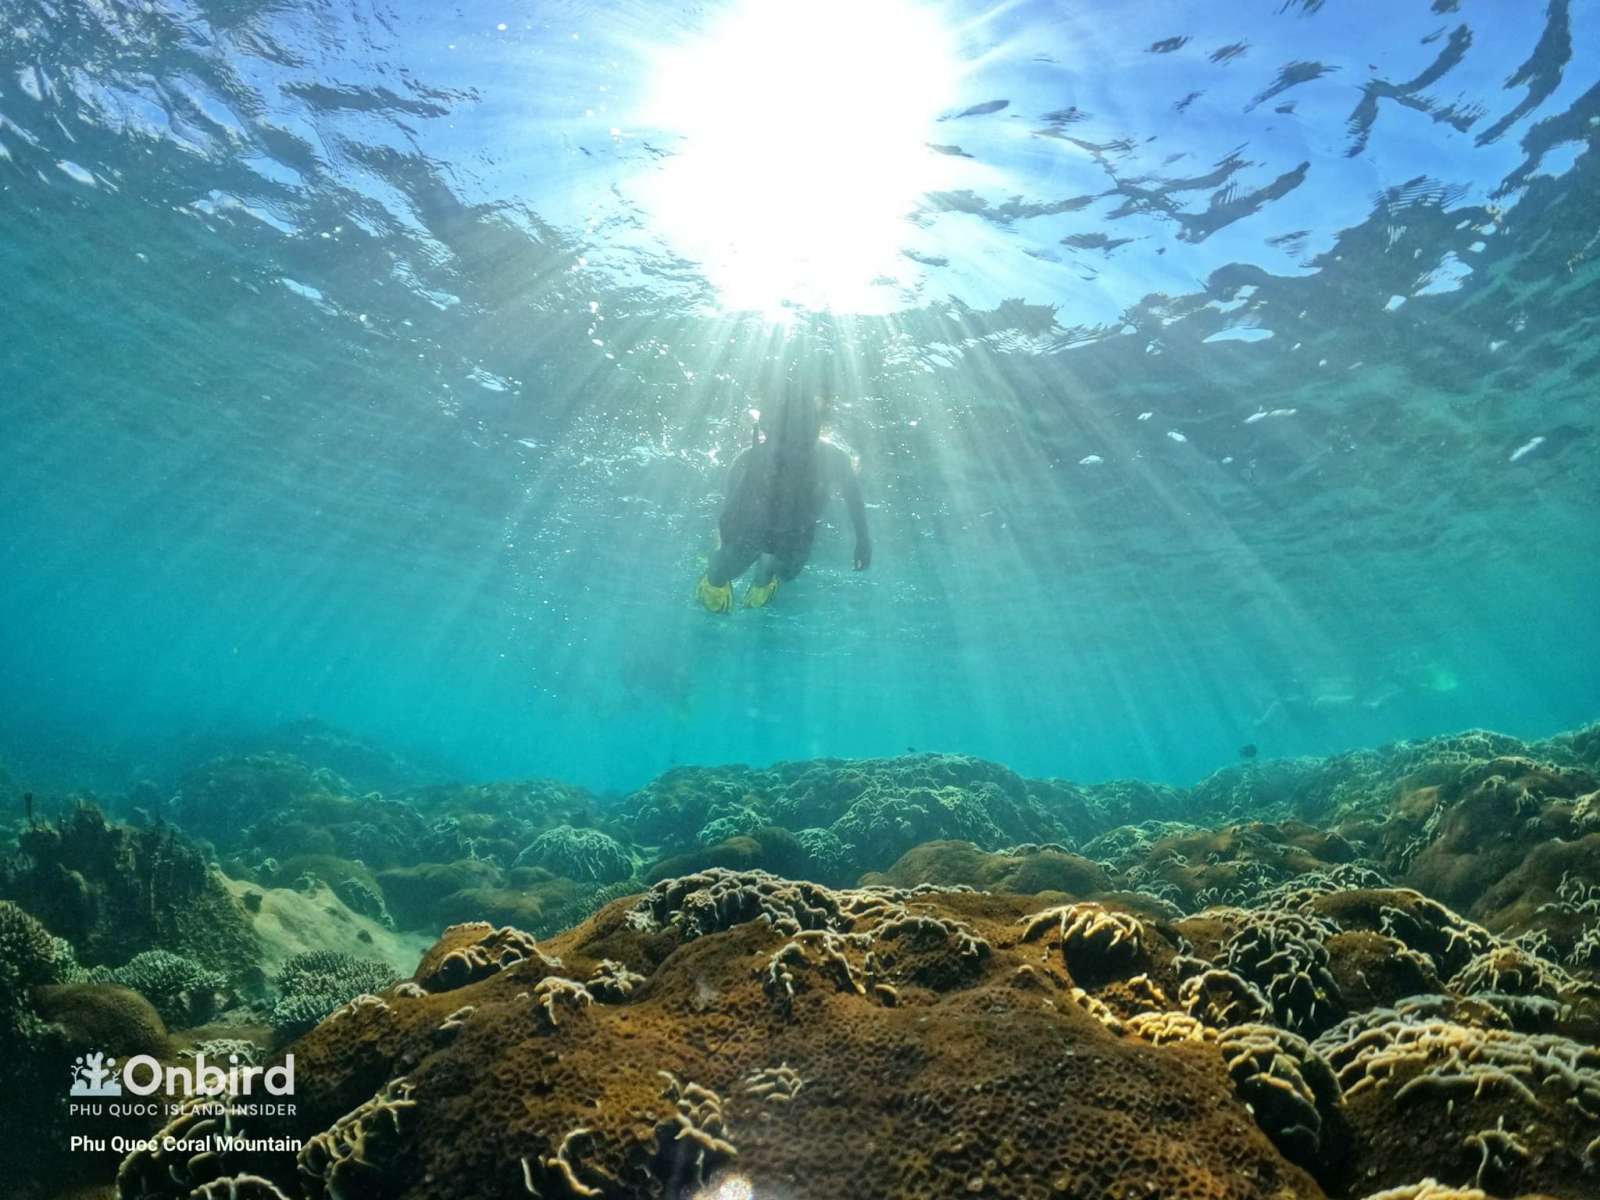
x,y
958,1084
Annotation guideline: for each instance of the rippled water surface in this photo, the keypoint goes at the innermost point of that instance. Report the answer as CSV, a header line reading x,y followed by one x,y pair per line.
x,y
1218,374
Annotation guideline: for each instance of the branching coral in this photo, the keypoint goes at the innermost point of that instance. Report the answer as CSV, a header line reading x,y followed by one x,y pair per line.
x,y
361,897
1417,1054
1428,1189
689,1145
313,984
1500,1151
1585,952
114,890
827,853
692,1140
829,948
1220,997
559,1171
920,927
450,1028
230,1050
29,958
183,992
1449,939
1162,1028
587,854
776,1085
1509,969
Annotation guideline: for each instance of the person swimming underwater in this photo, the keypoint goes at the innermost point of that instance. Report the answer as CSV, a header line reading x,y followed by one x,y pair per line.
x,y
777,490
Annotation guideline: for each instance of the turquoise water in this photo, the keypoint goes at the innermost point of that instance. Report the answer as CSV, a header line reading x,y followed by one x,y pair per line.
x,y
1218,375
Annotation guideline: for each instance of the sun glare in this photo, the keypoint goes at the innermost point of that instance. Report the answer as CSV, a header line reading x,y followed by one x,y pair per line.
x,y
804,145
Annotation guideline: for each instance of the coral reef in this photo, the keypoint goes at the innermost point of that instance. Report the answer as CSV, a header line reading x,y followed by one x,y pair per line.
x,y
180,989
1025,869
1375,974
1290,1089
415,893
29,958
113,891
1459,1085
765,848
102,1017
885,1052
874,809
30,1052
587,854
313,984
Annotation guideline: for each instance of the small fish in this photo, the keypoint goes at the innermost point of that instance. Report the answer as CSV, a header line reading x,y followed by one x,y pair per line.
x,y
1527,448
1248,750
980,110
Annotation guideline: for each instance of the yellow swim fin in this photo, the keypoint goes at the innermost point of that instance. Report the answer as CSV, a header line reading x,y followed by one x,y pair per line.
x,y
716,599
758,594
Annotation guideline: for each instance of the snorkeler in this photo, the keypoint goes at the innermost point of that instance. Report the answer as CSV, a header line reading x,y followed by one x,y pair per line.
x,y
777,490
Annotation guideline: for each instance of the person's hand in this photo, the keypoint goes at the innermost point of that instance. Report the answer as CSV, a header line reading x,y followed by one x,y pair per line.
x,y
863,554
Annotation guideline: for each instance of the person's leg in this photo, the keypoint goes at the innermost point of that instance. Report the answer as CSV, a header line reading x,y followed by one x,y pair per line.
x,y
729,562
791,559
787,559
715,589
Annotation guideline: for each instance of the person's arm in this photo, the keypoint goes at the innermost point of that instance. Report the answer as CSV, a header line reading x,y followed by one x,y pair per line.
x,y
850,488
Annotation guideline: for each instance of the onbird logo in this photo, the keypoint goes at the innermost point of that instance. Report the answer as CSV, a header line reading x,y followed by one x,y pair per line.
x,y
95,1075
